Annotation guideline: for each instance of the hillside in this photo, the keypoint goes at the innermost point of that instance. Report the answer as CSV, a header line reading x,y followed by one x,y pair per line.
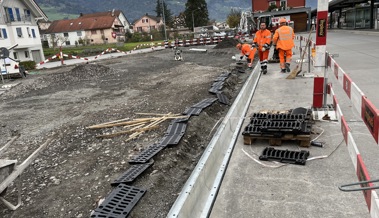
x,y
133,9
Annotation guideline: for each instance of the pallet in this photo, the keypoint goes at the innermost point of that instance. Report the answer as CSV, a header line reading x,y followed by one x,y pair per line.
x,y
304,140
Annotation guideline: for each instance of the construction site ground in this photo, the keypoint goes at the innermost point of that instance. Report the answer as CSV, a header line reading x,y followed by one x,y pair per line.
x,y
70,176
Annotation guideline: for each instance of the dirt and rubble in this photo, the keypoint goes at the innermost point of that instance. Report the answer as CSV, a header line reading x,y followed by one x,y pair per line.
x,y
70,176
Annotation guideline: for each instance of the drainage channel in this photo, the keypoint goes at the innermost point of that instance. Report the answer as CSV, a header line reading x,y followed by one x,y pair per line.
x,y
199,192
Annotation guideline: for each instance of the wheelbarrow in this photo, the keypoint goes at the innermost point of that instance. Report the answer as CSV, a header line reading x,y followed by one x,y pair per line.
x,y
9,172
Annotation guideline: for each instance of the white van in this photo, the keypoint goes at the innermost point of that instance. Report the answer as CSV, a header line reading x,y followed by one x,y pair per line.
x,y
11,68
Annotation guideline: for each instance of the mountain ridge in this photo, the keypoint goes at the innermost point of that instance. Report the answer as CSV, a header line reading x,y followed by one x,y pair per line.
x,y
134,9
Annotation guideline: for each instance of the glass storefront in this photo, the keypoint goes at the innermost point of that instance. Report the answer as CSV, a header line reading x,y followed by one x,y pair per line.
x,y
357,18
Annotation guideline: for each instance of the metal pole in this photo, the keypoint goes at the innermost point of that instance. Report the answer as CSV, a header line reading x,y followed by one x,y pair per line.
x,y
164,21
193,22
325,80
309,56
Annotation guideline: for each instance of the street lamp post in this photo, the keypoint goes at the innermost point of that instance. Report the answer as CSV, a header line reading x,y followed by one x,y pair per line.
x,y
193,20
164,21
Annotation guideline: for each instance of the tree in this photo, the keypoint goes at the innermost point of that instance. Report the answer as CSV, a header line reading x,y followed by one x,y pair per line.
x,y
233,18
167,12
199,10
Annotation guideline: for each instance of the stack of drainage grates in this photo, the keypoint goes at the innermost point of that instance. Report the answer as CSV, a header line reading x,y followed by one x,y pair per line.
x,y
122,199
279,127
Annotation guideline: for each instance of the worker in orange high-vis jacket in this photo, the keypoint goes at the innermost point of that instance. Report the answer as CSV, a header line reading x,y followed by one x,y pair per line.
x,y
248,51
262,41
283,40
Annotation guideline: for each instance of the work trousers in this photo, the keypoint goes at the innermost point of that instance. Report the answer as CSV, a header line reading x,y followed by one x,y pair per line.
x,y
263,56
288,58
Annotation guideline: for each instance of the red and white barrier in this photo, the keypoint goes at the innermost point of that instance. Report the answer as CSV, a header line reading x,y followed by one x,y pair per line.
x,y
47,60
371,196
74,57
368,112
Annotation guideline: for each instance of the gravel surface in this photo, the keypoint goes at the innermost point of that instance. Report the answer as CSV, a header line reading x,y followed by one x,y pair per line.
x,y
69,177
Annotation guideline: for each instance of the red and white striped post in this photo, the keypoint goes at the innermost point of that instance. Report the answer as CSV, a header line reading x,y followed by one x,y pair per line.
x,y
61,55
319,99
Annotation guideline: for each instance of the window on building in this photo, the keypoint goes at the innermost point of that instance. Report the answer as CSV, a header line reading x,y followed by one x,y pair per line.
x,y
9,14
93,32
272,3
28,31
34,33
139,29
4,31
18,15
65,34
19,31
68,43
15,55
27,15
102,32
79,33
147,20
283,4
26,54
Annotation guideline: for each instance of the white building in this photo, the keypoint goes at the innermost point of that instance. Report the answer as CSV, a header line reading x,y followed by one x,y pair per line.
x,y
18,25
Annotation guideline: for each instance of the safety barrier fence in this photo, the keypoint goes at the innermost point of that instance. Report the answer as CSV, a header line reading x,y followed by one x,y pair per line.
x,y
370,196
108,50
196,41
368,113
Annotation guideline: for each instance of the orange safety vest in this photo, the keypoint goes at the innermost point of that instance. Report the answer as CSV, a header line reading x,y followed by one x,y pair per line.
x,y
283,38
262,37
245,50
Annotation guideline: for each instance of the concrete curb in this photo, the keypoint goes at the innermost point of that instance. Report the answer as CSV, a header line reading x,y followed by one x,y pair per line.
x,y
199,192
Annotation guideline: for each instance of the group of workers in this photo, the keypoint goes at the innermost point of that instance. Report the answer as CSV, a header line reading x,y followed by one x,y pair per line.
x,y
283,41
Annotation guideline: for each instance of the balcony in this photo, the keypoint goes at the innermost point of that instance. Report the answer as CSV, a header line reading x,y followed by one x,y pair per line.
x,y
14,19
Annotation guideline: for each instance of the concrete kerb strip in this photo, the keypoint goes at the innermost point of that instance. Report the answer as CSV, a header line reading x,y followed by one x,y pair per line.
x,y
199,192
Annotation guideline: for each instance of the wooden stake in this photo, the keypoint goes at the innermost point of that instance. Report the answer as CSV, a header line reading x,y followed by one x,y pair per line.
x,y
117,124
125,132
154,114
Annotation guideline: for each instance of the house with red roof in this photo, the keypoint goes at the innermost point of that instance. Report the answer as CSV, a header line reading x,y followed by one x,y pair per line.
x,y
95,28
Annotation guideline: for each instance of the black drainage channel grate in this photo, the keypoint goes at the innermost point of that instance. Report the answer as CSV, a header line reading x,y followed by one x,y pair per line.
x,y
222,98
181,120
214,90
176,129
192,111
220,78
119,202
218,83
170,140
285,156
204,103
131,174
146,154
